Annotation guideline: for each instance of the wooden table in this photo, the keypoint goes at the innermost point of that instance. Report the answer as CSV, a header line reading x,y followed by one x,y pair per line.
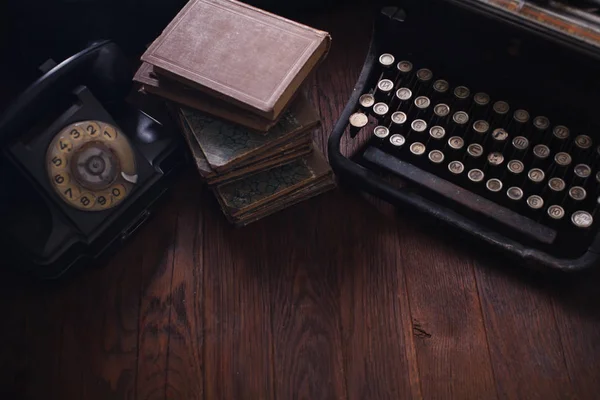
x,y
340,297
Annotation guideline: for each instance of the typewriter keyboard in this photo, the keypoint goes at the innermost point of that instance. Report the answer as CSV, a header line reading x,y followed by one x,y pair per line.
x,y
527,172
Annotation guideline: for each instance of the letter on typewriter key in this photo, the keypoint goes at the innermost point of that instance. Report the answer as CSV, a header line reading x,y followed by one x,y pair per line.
x,y
558,140
562,161
578,195
366,101
514,194
454,147
398,122
436,157
479,108
357,121
417,130
581,147
476,176
555,190
461,98
535,180
500,112
515,170
556,214
381,133
424,77
397,141
440,89
494,164
384,90
520,118
460,120
417,149
436,137
499,139
519,147
582,220
535,204
422,104
380,110
456,168
494,185
479,131
440,114
473,155
404,70
541,156
581,174
386,61
402,99
540,125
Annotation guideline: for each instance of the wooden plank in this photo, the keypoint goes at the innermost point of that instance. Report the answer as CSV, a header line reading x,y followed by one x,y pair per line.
x,y
185,361
304,302
237,317
523,336
450,338
576,304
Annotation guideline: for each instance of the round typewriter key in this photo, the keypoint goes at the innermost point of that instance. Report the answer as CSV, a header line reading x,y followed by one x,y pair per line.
x,y
519,147
473,155
498,140
535,180
479,108
559,138
381,132
476,175
380,110
461,98
500,112
493,166
397,140
535,204
479,131
386,60
460,119
582,219
398,122
366,101
540,125
417,129
417,149
541,156
436,157
514,174
402,99
555,190
581,174
436,137
481,99
404,69
384,90
440,114
562,162
454,147
519,119
422,104
456,168
514,193
358,121
440,89
581,147
577,194
555,214
424,77
494,185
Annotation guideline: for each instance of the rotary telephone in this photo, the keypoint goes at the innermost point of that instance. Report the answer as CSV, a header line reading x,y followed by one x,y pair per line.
x,y
83,163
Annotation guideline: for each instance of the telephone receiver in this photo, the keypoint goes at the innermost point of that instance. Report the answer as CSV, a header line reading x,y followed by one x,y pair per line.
x,y
84,161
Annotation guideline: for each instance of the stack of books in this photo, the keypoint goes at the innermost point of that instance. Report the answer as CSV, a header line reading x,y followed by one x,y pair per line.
x,y
232,74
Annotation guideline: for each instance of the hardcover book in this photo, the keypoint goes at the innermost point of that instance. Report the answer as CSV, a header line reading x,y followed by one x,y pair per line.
x,y
238,53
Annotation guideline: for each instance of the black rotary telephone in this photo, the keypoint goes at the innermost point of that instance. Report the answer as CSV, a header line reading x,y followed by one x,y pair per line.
x,y
82,163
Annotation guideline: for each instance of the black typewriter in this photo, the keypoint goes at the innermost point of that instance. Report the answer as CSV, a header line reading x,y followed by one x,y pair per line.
x,y
488,112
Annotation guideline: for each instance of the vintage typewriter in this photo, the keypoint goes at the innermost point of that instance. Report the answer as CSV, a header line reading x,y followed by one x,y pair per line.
x,y
487,111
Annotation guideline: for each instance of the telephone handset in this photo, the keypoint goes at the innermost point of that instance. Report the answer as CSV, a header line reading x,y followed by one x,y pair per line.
x,y
82,164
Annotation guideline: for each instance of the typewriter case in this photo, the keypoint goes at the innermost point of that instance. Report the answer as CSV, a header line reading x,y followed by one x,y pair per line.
x,y
493,49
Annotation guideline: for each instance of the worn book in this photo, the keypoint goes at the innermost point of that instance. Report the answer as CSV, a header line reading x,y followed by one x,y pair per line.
x,y
245,56
255,192
226,145
187,96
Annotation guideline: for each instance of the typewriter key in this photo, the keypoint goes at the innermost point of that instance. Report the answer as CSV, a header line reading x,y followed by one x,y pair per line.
x,y
459,123
582,146
500,112
403,74
519,147
515,169
555,190
514,194
559,138
581,174
535,180
476,175
494,185
422,104
454,147
493,166
582,220
402,99
499,138
397,141
436,137
417,149
456,168
440,89
576,197
479,108
436,157
398,122
380,110
440,114
366,101
473,156
417,129
424,77
541,125
479,131
386,62
556,214
518,122
461,98
358,121
384,90
535,204
541,156
381,132
562,162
